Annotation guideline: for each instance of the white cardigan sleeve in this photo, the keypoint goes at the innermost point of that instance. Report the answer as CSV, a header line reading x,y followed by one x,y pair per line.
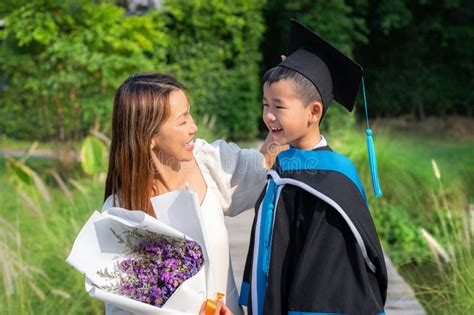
x,y
239,174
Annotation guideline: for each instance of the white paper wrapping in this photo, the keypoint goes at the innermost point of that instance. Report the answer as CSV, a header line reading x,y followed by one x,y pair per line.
x,y
178,215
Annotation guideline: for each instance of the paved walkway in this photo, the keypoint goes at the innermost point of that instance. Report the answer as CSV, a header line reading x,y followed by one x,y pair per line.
x,y
401,298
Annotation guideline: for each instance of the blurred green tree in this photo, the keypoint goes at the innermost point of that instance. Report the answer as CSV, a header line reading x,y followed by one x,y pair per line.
x,y
62,61
420,56
214,49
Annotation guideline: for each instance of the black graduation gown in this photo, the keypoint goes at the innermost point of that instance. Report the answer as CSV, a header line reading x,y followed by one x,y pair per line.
x,y
322,250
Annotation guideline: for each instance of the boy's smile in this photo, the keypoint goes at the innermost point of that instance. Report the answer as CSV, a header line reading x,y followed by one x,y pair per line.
x,y
287,118
275,130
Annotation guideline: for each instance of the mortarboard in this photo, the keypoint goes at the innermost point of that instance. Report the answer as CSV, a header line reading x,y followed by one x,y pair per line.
x,y
334,75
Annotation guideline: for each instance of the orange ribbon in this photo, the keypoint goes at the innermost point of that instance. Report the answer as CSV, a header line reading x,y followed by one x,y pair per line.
x,y
211,304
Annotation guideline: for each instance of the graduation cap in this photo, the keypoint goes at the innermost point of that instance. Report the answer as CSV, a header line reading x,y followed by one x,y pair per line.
x,y
334,75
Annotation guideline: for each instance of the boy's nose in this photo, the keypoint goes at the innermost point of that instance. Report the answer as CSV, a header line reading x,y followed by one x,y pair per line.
x,y
269,116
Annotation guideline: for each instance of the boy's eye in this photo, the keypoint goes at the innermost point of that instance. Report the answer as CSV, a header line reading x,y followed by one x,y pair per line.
x,y
280,107
265,105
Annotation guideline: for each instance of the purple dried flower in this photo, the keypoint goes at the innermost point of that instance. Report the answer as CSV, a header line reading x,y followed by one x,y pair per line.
x,y
154,267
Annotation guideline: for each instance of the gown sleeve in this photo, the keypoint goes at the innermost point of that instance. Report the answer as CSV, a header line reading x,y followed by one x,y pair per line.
x,y
238,174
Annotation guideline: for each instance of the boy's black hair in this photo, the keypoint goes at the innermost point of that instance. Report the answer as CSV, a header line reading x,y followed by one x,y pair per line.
x,y
304,89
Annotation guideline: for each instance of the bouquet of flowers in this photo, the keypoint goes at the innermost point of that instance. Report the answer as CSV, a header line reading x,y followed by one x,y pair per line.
x,y
144,264
154,267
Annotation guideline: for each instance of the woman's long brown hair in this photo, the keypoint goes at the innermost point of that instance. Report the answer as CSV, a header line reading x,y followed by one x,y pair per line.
x,y
141,106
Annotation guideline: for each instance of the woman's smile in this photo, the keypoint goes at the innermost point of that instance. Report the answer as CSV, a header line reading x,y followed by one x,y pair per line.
x,y
189,146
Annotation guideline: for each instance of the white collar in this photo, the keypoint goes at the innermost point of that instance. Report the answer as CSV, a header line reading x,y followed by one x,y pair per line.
x,y
321,143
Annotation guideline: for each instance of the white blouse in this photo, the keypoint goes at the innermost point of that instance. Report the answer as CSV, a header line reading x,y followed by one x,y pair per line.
x,y
235,177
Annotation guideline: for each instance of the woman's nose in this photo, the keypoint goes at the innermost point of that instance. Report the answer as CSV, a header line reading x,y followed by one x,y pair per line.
x,y
194,128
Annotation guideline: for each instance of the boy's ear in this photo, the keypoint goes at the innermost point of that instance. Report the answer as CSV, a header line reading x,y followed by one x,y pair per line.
x,y
316,111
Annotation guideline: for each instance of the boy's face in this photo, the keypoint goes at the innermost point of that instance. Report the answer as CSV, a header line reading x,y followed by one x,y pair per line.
x,y
286,117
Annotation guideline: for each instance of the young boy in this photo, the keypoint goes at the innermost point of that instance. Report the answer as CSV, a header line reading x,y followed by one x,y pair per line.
x,y
314,248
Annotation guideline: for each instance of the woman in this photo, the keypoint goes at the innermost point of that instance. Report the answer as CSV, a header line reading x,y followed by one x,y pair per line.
x,y
154,151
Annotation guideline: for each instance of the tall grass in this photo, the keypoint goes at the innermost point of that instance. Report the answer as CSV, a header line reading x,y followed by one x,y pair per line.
x,y
451,240
37,229
423,218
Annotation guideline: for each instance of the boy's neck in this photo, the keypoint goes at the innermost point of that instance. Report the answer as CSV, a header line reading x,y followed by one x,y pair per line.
x,y
308,142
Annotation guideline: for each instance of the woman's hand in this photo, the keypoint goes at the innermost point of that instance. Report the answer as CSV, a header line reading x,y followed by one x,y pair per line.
x,y
221,308
270,149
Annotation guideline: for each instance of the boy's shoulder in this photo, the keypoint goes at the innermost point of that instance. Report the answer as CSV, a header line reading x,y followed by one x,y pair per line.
x,y
320,161
320,169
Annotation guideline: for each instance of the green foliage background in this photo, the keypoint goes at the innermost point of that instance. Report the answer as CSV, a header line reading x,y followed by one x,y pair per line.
x,y
63,60
418,55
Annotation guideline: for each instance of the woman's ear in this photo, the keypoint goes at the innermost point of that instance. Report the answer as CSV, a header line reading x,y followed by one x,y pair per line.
x,y
153,143
316,111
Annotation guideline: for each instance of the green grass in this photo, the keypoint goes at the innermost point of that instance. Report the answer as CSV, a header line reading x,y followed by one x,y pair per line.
x,y
414,153
405,168
34,246
445,284
23,145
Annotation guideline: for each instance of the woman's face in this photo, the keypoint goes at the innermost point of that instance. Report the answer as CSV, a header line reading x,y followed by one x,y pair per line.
x,y
174,142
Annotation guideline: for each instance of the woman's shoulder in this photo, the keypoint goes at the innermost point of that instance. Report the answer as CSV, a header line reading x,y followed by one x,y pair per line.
x,y
217,157
238,174
202,146
109,202
217,151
